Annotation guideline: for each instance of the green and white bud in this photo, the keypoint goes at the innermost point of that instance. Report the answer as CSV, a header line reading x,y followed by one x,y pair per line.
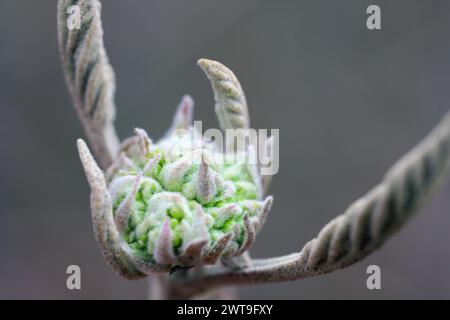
x,y
172,205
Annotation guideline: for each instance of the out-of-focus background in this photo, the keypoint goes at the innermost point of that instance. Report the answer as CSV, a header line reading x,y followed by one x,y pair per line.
x,y
348,103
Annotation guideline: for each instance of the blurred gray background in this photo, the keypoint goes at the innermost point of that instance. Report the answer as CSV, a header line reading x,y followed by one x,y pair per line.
x,y
348,103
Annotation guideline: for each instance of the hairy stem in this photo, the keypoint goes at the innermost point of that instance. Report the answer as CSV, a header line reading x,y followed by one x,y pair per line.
x,y
360,230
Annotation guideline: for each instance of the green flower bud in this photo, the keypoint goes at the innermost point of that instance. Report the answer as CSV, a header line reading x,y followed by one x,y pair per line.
x,y
174,205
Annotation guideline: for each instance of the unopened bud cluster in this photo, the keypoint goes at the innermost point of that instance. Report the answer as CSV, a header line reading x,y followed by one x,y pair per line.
x,y
175,206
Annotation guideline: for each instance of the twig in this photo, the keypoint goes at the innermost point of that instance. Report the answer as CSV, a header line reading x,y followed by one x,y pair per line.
x,y
360,230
